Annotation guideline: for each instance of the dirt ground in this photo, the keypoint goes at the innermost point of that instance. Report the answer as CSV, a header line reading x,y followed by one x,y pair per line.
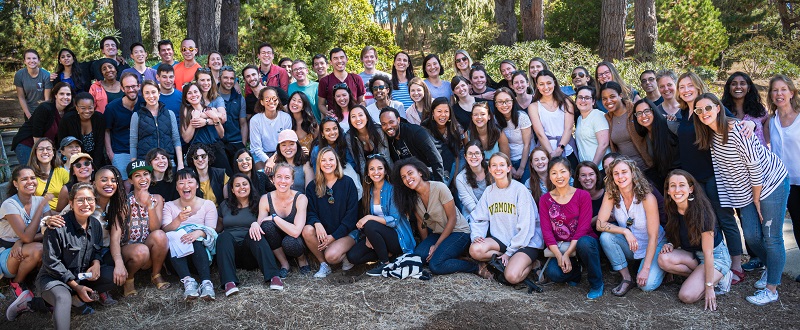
x,y
461,301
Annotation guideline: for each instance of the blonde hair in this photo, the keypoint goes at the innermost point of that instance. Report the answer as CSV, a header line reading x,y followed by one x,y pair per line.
x,y
641,187
794,101
506,159
698,84
320,185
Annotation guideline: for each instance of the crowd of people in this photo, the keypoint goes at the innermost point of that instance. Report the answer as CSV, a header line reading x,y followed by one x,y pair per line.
x,y
125,166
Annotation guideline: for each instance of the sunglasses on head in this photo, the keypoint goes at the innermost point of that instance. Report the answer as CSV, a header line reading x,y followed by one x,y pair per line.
x,y
373,156
340,86
226,68
204,70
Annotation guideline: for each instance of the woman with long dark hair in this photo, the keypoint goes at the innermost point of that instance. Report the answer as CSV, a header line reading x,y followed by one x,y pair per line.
x,y
402,73
421,95
364,138
480,84
741,97
345,101
303,122
589,178
694,240
523,91
662,144
621,130
472,181
44,123
516,126
448,136
154,126
461,100
200,123
259,181
333,136
552,114
70,71
289,152
163,182
482,127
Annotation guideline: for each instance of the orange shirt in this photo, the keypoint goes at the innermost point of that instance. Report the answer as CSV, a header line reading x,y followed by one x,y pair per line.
x,y
183,74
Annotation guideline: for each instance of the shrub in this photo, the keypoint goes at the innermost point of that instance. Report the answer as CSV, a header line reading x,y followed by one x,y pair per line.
x,y
693,27
761,57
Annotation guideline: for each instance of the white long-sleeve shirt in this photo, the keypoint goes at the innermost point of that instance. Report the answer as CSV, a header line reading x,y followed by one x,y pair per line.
x,y
264,133
511,216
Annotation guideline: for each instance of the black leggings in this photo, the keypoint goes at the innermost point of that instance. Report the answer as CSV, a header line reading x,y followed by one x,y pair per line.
x,y
60,296
199,259
384,242
794,210
292,246
236,248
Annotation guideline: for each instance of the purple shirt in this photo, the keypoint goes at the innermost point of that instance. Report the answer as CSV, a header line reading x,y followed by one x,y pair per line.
x,y
566,222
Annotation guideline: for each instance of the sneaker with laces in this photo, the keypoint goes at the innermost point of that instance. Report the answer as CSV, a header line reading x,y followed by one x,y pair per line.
x,y
276,283
207,291
377,271
20,305
17,288
231,289
762,282
324,270
190,289
763,297
724,285
346,265
305,270
753,264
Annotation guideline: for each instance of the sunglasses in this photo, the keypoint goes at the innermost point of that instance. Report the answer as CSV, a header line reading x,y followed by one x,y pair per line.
x,y
373,156
191,49
578,75
82,164
462,59
700,111
645,112
340,86
199,157
379,88
204,70
329,192
629,222
273,99
226,68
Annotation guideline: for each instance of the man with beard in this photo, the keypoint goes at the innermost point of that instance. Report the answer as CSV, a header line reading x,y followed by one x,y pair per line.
x,y
236,130
118,122
409,140
252,80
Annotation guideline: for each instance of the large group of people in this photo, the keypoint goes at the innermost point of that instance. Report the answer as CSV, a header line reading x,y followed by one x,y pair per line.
x,y
124,167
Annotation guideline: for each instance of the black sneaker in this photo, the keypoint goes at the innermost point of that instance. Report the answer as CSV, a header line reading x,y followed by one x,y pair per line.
x,y
283,273
305,270
377,271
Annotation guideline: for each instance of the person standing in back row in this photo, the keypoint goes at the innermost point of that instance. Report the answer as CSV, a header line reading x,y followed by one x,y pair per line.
x,y
118,122
184,71
328,84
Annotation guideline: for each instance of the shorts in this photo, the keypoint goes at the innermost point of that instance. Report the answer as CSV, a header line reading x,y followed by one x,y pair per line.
x,y
5,253
722,258
531,252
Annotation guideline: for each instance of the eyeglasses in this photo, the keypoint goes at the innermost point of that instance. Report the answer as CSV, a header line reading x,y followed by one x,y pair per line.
x,y
584,98
130,88
505,102
606,73
200,156
300,68
191,49
645,112
340,86
474,154
44,149
82,164
84,200
329,192
629,222
242,160
379,88
462,59
204,70
580,74
700,111
273,99
373,156
266,52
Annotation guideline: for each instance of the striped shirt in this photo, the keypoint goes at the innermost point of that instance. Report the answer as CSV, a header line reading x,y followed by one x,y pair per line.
x,y
743,160
401,94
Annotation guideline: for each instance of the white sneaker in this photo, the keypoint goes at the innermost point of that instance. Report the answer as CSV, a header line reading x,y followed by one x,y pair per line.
x,y
763,297
190,289
761,284
207,291
324,270
346,265
724,285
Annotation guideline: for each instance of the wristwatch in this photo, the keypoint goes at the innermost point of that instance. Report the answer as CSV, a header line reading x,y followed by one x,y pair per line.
x,y
562,146
709,284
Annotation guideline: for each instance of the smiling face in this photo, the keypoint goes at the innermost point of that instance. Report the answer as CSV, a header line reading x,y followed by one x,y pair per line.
x,y
71,149
85,108
358,119
410,176
441,114
587,178
110,48
432,67
539,161
215,61
240,187
604,74
252,78
105,183
648,82
84,173
45,152
534,67
678,188
342,98
416,92
739,87
462,62
188,50
520,84
151,95
299,71
166,53
288,149
478,80
266,55
369,59
710,112
63,97
31,60
245,162
461,90
139,55
401,62
130,85
506,70
339,61
83,204
270,100
187,188
376,171
780,94
140,180
160,163
545,85
166,80
283,178
474,156
26,183
499,169
687,90
108,71
296,103
379,90
328,162
504,103
559,175
622,175
643,114
389,124
204,82
330,130
480,117
227,79
66,59
320,66
611,100
200,159
584,100
666,86
193,95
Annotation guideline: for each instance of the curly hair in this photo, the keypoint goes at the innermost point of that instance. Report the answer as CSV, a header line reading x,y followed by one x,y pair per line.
x,y
753,106
641,187
193,152
118,203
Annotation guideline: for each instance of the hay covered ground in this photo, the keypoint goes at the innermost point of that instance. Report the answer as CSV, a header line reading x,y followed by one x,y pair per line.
x,y
461,301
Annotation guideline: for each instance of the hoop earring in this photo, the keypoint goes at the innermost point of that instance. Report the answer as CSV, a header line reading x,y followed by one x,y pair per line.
x,y
368,180
691,197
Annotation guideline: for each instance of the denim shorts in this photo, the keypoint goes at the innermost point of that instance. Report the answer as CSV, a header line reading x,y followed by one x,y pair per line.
x,y
722,258
5,253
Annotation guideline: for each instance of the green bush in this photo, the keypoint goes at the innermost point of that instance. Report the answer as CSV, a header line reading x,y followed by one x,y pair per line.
x,y
693,27
573,21
761,57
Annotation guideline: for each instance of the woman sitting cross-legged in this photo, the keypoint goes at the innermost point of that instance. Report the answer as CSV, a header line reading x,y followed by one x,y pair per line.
x,y
137,239
236,244
387,232
190,223
566,216
695,239
282,215
332,213
442,228
636,233
505,223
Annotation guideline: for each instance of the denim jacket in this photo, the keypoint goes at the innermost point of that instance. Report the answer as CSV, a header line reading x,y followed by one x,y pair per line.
x,y
394,219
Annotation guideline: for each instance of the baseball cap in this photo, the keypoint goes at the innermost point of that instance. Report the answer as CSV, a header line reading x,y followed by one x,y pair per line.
x,y
139,164
67,140
287,135
77,156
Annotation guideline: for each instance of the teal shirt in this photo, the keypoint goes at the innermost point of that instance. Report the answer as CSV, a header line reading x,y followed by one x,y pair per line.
x,y
311,91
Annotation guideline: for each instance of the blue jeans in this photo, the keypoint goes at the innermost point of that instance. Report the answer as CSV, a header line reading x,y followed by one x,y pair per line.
x,y
23,153
121,162
726,218
618,252
527,174
588,251
445,258
766,238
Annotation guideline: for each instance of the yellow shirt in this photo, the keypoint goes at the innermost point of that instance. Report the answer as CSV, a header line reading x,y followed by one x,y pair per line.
x,y
59,179
208,193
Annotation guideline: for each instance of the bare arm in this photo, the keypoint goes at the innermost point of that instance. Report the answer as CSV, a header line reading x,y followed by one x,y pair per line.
x,y
538,129
244,129
109,151
22,103
602,145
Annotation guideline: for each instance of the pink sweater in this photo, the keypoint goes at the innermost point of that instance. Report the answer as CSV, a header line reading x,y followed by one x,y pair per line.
x,y
566,222
206,215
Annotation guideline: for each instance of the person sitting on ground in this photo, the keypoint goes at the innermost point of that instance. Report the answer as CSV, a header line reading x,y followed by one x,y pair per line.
x,y
472,181
163,174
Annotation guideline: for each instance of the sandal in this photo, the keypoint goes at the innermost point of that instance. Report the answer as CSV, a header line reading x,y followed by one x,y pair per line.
x,y
159,282
483,271
622,288
739,274
128,288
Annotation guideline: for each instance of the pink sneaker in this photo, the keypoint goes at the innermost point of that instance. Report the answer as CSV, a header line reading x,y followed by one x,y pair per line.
x,y
276,283
19,306
16,288
231,289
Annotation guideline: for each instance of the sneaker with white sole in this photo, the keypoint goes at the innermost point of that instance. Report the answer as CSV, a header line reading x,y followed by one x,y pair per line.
x,y
190,289
724,285
276,283
346,265
324,270
753,264
20,305
763,297
377,271
231,289
207,291
761,284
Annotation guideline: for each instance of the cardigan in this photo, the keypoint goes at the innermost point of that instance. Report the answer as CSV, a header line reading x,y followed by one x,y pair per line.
x,y
70,125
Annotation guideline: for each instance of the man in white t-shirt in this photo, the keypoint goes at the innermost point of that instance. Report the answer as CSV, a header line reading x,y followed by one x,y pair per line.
x,y
369,56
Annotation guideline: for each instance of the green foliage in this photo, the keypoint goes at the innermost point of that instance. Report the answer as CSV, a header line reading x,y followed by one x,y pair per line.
x,y
560,60
741,17
574,21
273,21
761,57
693,27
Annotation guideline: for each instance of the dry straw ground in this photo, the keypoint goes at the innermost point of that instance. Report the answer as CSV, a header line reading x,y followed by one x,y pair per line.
x,y
462,301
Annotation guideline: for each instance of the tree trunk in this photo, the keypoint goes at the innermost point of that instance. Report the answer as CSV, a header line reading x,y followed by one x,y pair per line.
x,y
155,24
229,27
646,27
532,16
790,20
126,20
202,24
612,30
506,20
